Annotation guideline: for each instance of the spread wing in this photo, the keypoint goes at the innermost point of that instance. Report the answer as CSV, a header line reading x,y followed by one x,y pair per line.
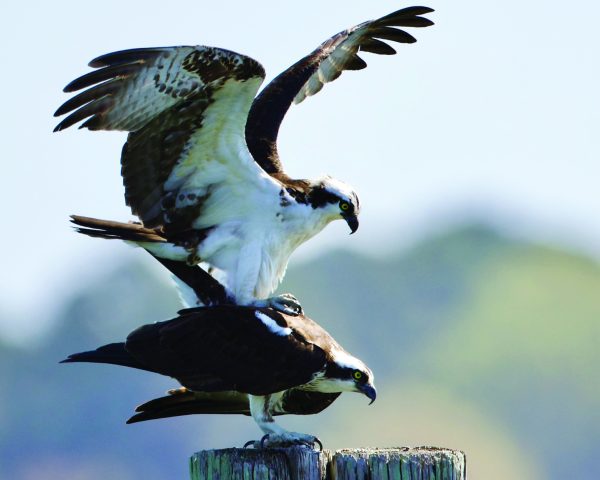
x,y
186,108
228,348
307,76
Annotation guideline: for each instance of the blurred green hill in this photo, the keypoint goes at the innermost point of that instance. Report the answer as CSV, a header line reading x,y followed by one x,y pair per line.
x,y
477,342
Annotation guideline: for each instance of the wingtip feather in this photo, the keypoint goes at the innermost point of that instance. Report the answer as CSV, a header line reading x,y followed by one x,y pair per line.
x,y
415,10
407,17
127,56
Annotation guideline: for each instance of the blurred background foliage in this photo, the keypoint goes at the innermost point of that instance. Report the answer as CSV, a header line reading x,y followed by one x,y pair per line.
x,y
478,342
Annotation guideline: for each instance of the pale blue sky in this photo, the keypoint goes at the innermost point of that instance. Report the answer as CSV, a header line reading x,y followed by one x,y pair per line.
x,y
494,112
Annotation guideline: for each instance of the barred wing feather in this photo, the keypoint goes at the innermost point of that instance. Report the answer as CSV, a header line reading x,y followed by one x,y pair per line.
x,y
186,108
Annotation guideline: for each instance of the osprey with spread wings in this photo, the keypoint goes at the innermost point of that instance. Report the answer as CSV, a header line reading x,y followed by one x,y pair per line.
x,y
200,165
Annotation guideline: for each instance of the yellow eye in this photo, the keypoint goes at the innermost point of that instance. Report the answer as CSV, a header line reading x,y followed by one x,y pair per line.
x,y
357,374
344,206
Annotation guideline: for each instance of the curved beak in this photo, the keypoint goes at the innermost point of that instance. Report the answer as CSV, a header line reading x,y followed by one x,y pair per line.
x,y
369,391
352,221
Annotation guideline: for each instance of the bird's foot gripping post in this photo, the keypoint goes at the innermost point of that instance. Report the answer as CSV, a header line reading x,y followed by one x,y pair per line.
x,y
286,440
275,436
301,463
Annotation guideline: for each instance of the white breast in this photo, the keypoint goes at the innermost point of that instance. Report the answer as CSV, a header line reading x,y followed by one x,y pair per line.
x,y
254,250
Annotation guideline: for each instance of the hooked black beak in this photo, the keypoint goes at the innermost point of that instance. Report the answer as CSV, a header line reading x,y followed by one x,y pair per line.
x,y
369,391
352,221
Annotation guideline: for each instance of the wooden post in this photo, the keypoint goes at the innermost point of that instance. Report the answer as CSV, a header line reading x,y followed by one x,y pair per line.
x,y
299,463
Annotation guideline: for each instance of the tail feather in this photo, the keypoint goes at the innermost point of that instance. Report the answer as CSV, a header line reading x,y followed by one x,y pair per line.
x,y
113,353
208,290
186,402
109,229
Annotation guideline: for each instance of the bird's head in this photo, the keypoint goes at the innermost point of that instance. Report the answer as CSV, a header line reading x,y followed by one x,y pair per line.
x,y
363,383
335,199
348,374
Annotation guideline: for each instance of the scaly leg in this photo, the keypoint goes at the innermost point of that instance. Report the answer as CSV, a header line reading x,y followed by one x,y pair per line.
x,y
275,435
247,278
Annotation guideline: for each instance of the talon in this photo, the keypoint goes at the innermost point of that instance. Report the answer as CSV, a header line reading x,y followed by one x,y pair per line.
x,y
287,440
193,259
313,443
318,442
286,303
263,439
248,443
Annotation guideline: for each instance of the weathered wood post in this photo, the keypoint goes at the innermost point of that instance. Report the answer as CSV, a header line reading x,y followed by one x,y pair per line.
x,y
299,463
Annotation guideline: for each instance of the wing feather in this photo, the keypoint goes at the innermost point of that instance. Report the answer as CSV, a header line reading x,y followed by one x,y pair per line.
x,y
372,45
393,34
91,110
126,56
106,88
122,71
407,17
307,76
181,105
226,347
187,402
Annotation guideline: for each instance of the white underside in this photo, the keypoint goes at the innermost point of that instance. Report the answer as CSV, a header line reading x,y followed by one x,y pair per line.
x,y
252,252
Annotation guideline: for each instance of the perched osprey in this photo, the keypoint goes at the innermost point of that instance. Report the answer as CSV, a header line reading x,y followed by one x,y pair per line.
x,y
241,360
200,165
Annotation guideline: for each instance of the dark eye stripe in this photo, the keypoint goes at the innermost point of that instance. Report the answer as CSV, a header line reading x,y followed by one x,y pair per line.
x,y
319,197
